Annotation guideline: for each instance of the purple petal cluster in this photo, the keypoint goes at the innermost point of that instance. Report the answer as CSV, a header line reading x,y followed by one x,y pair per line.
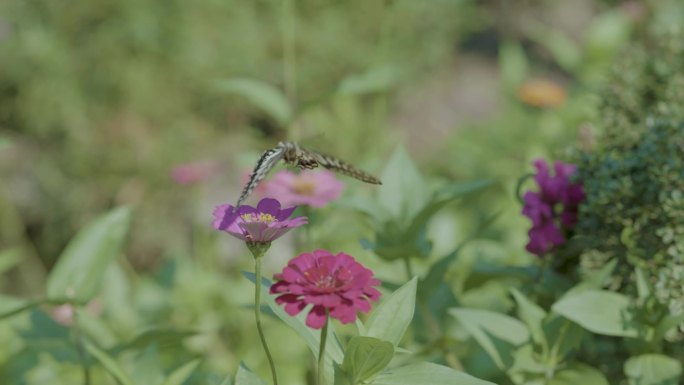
x,y
334,284
554,208
261,224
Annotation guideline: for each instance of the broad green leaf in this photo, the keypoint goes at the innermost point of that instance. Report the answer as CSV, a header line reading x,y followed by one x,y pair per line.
x,y
601,312
513,64
178,376
393,316
147,368
576,374
531,314
9,258
597,280
403,191
498,334
366,357
667,323
265,96
80,269
653,369
426,373
109,363
245,376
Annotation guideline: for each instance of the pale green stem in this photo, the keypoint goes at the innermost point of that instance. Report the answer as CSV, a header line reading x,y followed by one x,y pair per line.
x,y
78,336
321,351
257,317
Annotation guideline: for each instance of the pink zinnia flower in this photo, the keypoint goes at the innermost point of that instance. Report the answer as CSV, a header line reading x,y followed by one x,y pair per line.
x,y
313,188
333,284
261,224
195,172
554,208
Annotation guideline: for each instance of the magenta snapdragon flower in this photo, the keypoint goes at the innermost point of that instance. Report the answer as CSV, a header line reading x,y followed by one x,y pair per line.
x,y
335,285
261,224
312,188
553,209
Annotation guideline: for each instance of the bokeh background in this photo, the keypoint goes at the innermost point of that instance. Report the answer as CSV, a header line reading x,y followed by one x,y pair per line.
x,y
102,101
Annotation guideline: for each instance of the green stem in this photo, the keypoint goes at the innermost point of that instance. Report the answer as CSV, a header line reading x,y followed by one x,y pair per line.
x,y
409,268
80,348
321,351
290,58
257,317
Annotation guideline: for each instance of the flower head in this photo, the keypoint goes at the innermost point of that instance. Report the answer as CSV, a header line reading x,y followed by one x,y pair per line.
x,y
195,172
542,93
261,224
313,188
334,284
554,207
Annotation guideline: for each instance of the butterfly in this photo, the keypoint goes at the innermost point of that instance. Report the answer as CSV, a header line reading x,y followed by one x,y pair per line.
x,y
297,156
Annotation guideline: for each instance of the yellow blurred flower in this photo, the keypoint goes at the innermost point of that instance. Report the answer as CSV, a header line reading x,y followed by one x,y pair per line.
x,y
542,93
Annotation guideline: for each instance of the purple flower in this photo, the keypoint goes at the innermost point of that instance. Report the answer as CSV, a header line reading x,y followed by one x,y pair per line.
x,y
261,224
554,208
313,188
334,284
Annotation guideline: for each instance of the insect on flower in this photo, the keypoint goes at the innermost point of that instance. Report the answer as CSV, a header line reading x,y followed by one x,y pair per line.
x,y
297,156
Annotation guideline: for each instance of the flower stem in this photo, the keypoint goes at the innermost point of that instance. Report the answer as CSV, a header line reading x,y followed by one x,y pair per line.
x,y
321,351
80,348
257,317
409,268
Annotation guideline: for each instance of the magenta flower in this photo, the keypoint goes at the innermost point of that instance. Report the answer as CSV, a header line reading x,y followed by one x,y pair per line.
x,y
261,224
313,188
553,209
334,284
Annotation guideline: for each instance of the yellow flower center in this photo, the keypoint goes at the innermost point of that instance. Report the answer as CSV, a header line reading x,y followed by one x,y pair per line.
x,y
304,187
258,217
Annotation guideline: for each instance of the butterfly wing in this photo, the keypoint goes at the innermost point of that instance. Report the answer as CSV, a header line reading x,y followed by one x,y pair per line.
x,y
342,167
265,163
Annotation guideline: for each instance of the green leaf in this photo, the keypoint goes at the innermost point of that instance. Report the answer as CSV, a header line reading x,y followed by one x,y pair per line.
x,y
9,258
10,306
378,79
563,336
366,357
435,275
109,363
577,373
80,269
393,316
147,369
265,96
245,376
532,315
403,191
653,369
426,373
178,376
498,334
597,280
643,287
513,64
601,312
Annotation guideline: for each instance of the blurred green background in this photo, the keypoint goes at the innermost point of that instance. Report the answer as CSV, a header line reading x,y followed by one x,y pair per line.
x,y
101,100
